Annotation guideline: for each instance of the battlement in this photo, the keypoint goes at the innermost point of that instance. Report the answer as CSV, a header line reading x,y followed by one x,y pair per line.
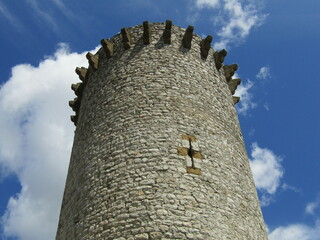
x,y
159,35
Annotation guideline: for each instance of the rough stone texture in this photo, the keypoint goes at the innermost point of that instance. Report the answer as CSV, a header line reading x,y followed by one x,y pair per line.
x,y
167,32
108,47
146,32
187,38
233,84
205,45
82,73
93,61
219,58
127,180
126,38
229,71
235,99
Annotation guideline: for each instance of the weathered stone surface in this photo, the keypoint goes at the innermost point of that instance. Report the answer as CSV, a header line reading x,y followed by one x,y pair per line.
x,y
75,104
233,84
205,46
187,37
82,73
77,88
219,58
235,99
192,170
146,32
107,47
126,178
229,71
93,61
167,32
74,119
126,38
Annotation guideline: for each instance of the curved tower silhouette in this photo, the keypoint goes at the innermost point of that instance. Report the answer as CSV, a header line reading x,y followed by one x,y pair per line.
x,y
158,152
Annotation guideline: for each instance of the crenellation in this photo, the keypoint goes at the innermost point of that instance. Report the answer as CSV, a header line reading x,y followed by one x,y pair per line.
x,y
146,33
107,47
93,61
233,84
205,46
82,73
75,104
219,58
167,32
187,37
126,38
229,71
235,99
74,119
77,88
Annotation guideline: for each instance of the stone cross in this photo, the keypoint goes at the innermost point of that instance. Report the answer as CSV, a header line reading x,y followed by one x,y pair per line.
x,y
191,151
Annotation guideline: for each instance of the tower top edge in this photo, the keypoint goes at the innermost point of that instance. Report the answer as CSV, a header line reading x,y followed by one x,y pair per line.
x,y
154,36
166,30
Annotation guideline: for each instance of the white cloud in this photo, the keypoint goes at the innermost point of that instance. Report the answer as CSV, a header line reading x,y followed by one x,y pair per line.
x,y
207,3
241,19
246,98
312,206
234,18
264,73
35,141
286,187
267,172
296,232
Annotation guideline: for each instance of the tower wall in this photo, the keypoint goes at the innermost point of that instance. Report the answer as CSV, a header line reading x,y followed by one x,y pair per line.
x,y
158,152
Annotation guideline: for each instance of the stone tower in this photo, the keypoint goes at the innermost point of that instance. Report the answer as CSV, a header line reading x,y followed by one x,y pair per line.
x,y
158,152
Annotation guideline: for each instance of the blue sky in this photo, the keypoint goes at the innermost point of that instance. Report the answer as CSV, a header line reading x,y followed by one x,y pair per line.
x,y
274,42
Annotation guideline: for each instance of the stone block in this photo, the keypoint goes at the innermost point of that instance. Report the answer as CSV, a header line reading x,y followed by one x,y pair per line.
x,y
195,171
235,99
126,38
229,71
107,47
187,37
233,84
167,32
146,33
205,46
93,61
82,73
74,119
219,58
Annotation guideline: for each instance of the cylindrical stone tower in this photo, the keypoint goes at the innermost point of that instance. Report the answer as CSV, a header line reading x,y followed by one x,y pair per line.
x,y
158,152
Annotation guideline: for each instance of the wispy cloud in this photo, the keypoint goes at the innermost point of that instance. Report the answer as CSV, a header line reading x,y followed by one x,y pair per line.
x,y
267,172
35,142
296,232
236,19
312,206
241,20
264,73
287,187
207,3
10,17
299,231
65,10
43,15
246,98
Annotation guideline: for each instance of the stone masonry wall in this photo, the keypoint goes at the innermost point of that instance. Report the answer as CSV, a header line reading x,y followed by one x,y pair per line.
x,y
158,152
